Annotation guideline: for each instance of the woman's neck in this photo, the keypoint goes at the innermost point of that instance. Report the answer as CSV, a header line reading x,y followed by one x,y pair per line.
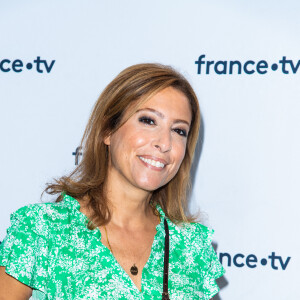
x,y
129,207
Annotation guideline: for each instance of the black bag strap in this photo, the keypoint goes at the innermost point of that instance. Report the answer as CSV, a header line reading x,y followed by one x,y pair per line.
x,y
165,294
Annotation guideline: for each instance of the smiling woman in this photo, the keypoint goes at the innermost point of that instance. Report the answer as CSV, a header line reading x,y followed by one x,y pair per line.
x,y
118,228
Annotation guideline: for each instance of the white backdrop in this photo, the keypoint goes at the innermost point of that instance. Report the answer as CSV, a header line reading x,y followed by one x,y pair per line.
x,y
246,182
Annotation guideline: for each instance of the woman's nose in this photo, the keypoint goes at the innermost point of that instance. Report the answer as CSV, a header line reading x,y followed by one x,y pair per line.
x,y
163,140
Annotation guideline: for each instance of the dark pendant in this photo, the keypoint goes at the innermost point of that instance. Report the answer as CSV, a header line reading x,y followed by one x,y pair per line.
x,y
134,270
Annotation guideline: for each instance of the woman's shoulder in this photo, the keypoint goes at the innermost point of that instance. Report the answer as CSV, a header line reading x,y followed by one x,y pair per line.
x,y
195,233
41,217
188,233
47,210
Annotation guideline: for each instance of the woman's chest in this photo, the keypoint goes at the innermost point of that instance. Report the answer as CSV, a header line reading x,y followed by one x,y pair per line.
x,y
83,268
131,252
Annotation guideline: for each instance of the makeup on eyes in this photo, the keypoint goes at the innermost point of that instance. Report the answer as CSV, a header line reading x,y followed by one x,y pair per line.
x,y
161,115
147,120
150,121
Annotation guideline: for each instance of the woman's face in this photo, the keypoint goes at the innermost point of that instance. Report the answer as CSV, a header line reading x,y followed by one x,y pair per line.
x,y
147,150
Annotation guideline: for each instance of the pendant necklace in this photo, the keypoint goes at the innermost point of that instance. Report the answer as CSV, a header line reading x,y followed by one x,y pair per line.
x,y
134,269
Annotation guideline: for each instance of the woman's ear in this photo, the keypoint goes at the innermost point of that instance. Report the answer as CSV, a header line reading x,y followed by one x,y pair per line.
x,y
106,140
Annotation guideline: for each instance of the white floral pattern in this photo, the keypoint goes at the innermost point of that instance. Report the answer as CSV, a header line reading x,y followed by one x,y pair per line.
x,y
49,248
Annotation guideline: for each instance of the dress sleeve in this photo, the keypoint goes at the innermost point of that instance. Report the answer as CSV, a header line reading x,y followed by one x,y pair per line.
x,y
23,252
214,271
210,266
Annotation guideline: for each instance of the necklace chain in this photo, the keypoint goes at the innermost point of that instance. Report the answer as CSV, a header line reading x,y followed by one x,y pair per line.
x,y
107,239
133,269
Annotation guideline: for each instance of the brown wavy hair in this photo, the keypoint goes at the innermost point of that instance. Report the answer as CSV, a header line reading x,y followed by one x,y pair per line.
x,y
129,90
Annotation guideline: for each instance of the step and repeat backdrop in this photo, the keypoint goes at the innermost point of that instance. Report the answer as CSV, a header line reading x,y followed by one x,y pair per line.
x,y
242,58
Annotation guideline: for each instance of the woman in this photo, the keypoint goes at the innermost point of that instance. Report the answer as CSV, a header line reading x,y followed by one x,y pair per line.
x,y
108,232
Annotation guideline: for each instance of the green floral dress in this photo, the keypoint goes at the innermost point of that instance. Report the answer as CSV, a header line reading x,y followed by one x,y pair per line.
x,y
49,248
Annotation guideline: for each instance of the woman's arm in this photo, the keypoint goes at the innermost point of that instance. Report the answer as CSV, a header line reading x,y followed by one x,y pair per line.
x,y
12,289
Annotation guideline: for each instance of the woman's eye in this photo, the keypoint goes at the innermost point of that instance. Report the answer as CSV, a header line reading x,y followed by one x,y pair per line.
x,y
147,120
150,121
181,132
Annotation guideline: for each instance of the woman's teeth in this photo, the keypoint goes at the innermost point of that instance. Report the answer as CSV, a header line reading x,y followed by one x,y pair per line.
x,y
152,162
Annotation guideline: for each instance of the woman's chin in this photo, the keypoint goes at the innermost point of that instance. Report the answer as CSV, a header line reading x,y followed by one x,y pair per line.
x,y
150,186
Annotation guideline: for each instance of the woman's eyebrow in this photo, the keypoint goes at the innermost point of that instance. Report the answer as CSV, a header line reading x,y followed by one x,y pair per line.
x,y
161,115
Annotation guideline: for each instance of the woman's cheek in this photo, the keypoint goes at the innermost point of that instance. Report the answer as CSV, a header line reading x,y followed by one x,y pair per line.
x,y
181,148
138,138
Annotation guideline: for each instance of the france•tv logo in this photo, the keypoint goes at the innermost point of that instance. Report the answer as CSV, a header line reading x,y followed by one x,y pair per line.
x,y
251,261
39,65
249,67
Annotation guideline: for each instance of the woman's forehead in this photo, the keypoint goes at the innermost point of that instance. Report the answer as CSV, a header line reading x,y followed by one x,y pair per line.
x,y
165,103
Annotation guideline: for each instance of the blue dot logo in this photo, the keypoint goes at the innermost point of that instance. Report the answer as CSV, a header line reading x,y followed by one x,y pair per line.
x,y
274,67
263,262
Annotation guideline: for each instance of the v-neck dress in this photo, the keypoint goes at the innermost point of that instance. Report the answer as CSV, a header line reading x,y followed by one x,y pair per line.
x,y
49,248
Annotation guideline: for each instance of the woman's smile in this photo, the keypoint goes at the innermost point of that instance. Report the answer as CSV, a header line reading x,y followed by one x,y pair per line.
x,y
152,162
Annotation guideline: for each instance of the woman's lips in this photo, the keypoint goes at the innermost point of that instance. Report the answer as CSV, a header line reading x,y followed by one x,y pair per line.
x,y
154,158
154,163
